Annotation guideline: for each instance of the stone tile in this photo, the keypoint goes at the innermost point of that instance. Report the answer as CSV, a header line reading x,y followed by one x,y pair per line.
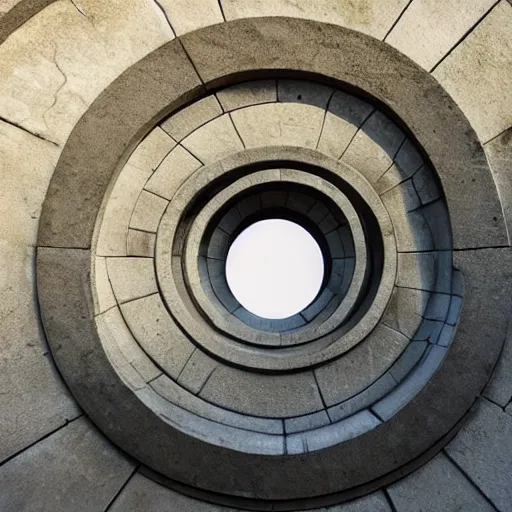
x,y
103,295
263,395
308,422
408,388
148,155
411,229
279,124
273,199
345,115
438,307
417,270
147,212
405,310
429,331
184,122
196,371
454,311
157,333
118,210
408,360
499,388
188,15
88,468
446,336
438,220
302,91
140,243
131,278
217,277
214,140
299,202
114,331
247,93
499,154
324,437
60,60
426,185
477,72
141,493
372,18
428,29
171,173
374,147
483,450
360,367
438,486
402,196
29,382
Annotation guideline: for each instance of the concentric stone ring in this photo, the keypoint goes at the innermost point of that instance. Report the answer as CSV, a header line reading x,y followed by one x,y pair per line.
x,y
248,412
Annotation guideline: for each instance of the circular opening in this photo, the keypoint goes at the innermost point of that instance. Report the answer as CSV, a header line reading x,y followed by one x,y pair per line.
x,y
274,268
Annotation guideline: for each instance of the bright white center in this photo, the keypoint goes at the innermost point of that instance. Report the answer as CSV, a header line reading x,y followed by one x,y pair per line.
x,y
274,268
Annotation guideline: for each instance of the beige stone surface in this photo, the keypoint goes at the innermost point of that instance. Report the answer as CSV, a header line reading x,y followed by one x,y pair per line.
x,y
140,243
188,15
478,73
428,29
131,278
176,167
111,237
345,115
247,93
214,140
372,17
148,212
149,154
184,122
29,382
103,296
55,65
374,147
279,124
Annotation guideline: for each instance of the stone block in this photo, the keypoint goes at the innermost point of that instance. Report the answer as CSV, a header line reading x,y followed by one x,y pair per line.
x,y
302,91
140,243
425,183
408,360
150,152
499,388
131,278
188,15
247,93
196,371
308,422
102,293
417,270
147,212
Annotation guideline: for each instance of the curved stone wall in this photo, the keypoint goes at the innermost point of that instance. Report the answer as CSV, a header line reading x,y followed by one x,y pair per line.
x,y
140,139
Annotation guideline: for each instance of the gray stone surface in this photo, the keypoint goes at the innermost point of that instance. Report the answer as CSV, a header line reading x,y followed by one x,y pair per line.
x,y
439,486
301,91
308,422
263,395
408,360
499,388
75,468
248,93
483,450
417,270
196,371
147,212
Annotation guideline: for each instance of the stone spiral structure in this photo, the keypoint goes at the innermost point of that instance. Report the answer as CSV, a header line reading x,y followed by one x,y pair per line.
x,y
139,138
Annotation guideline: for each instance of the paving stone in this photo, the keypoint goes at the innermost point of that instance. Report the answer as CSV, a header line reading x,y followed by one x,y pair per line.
x,y
446,336
345,115
247,93
214,140
171,173
103,295
188,15
157,333
148,155
55,65
88,468
417,270
263,395
454,311
411,229
427,30
499,154
499,388
147,212
324,437
131,278
184,122
438,220
113,330
141,493
196,371
444,271
364,399
438,486
308,422
301,91
438,307
402,196
483,450
118,210
140,243
407,360
405,310
430,331
360,367
408,388
426,185
279,124
374,147
477,71
372,18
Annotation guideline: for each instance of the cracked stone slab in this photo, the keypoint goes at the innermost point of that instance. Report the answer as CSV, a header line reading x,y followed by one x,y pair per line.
x,y
483,450
79,458
438,486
